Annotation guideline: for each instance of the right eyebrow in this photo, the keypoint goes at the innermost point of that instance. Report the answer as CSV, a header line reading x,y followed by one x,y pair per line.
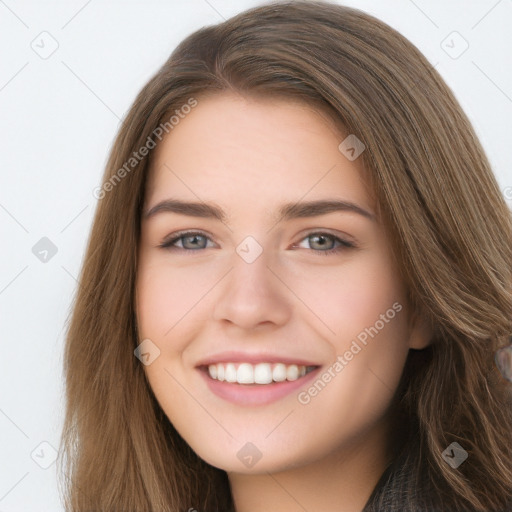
x,y
192,209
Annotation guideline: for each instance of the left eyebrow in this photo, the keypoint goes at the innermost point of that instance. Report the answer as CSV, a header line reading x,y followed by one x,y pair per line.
x,y
321,207
286,212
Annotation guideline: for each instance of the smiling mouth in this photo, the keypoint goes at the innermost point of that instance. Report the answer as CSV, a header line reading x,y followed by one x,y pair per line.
x,y
259,374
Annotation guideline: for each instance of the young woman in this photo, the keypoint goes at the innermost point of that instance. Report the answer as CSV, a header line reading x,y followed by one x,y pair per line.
x,y
297,285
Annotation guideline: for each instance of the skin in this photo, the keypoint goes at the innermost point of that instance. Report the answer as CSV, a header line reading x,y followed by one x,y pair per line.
x,y
249,156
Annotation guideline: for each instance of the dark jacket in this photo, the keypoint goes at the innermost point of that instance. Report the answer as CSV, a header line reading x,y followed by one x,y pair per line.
x,y
397,492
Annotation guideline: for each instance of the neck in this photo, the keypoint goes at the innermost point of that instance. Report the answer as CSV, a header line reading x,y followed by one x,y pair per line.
x,y
342,482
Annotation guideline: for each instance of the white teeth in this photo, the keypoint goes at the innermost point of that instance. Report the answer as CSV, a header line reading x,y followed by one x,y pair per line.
x,y
230,373
261,373
279,372
245,374
220,371
292,372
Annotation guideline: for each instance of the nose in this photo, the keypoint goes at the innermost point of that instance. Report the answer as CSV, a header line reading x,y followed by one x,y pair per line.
x,y
252,296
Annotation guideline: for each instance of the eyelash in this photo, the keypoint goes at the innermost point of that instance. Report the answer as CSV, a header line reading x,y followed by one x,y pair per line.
x,y
344,244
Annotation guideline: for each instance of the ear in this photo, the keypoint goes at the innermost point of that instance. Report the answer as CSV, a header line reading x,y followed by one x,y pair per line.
x,y
421,331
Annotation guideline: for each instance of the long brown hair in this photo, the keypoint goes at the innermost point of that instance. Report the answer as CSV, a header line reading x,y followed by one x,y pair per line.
x,y
447,220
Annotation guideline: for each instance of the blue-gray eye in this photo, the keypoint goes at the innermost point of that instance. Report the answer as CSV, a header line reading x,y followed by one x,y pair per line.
x,y
325,243
324,246
190,241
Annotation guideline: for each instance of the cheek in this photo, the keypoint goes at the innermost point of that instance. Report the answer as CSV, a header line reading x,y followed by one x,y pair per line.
x,y
355,296
167,297
363,306
168,305
366,311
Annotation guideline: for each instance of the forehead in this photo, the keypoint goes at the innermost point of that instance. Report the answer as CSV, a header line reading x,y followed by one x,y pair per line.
x,y
248,150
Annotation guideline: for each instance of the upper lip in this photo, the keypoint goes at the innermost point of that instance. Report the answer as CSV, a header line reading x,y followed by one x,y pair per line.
x,y
243,357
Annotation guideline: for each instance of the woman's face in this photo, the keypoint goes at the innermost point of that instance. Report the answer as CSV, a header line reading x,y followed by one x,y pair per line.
x,y
287,269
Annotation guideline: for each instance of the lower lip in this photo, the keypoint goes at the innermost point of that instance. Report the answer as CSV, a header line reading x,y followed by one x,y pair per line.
x,y
255,394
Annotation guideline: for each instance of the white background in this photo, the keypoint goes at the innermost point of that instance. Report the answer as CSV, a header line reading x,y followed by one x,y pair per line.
x,y
58,118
